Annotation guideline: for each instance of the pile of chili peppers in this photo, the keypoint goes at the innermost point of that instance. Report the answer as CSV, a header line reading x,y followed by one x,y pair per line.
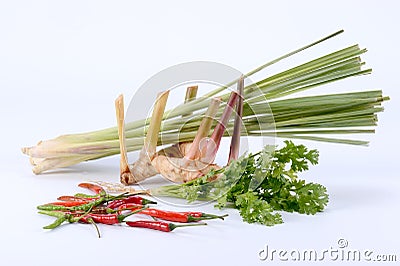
x,y
103,208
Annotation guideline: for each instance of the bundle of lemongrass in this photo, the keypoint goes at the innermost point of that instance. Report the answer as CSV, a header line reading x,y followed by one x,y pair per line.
x,y
312,117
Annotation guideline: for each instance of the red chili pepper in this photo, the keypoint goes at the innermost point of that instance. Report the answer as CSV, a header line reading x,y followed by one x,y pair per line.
x,y
160,226
103,218
72,198
131,199
68,203
156,213
170,216
113,218
93,187
181,217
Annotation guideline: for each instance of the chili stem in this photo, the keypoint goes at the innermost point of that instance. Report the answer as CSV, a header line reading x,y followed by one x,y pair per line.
x,y
173,226
121,218
90,220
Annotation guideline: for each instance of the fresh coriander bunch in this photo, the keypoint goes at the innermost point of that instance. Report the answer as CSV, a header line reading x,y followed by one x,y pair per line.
x,y
259,185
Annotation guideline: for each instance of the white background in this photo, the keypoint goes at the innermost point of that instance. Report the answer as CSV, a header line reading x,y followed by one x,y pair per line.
x,y
62,63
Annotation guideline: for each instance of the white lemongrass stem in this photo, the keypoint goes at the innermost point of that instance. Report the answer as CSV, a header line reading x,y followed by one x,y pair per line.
x,y
210,150
125,172
204,129
237,126
191,94
110,187
143,167
150,143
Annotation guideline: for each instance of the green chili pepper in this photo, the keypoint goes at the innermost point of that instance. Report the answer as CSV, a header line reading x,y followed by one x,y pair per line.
x,y
49,207
56,223
86,196
56,214
87,206
84,207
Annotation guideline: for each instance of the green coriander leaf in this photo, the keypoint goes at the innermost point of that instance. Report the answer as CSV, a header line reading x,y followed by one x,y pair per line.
x,y
255,210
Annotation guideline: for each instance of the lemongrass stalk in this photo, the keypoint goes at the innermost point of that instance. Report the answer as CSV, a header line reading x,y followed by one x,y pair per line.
x,y
204,129
210,149
191,94
125,172
119,109
143,168
235,140
150,143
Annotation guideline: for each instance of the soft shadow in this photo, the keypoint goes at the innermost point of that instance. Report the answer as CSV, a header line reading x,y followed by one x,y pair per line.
x,y
99,169
353,196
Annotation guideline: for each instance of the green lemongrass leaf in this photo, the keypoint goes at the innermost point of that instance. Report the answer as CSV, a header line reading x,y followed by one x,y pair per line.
x,y
276,60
